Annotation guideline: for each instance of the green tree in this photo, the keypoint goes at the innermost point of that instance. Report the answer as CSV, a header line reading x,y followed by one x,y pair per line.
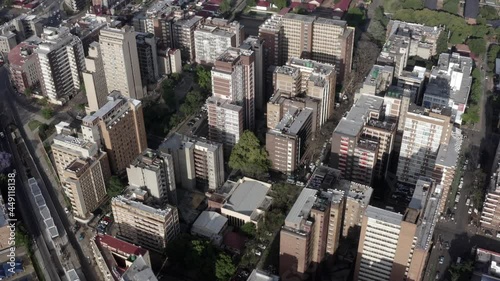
x,y
477,45
284,196
355,16
377,30
300,11
224,267
380,16
81,106
175,120
251,3
248,156
28,92
204,78
194,101
413,4
442,42
451,6
471,115
225,6
248,229
115,186
176,77
488,12
280,4
47,112
168,94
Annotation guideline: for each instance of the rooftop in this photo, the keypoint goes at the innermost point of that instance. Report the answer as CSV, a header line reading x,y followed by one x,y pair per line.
x,y
258,275
247,196
287,70
301,208
23,52
272,24
188,23
304,18
360,193
317,67
233,54
383,215
294,120
210,221
139,271
448,153
353,122
119,246
129,201
325,178
426,200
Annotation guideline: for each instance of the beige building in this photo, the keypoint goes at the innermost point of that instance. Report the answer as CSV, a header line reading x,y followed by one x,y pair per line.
x,y
490,216
396,246
121,61
84,182
149,226
118,127
311,231
94,79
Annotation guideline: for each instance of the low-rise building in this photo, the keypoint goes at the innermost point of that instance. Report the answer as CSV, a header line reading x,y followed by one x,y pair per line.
x,y
247,202
210,225
486,265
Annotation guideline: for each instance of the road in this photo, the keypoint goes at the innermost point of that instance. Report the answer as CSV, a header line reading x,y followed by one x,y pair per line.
x,y
27,214
48,185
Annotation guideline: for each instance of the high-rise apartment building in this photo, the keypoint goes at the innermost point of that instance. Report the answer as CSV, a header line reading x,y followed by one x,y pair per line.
x,y
148,59
253,43
159,20
94,79
308,234
363,141
281,102
121,61
271,32
23,66
395,53
396,246
118,127
83,170
424,132
423,39
233,78
183,36
154,171
60,61
286,142
149,226
226,122
210,42
198,163
84,182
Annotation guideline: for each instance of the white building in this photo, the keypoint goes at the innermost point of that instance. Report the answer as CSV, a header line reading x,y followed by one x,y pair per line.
x,y
210,42
154,171
210,225
121,61
60,61
248,202
424,132
449,85
226,121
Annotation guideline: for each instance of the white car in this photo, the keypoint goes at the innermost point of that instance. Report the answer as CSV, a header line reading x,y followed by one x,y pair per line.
x,y
469,211
258,253
66,210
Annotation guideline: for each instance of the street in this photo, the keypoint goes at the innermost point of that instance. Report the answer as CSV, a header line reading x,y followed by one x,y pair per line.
x,y
47,185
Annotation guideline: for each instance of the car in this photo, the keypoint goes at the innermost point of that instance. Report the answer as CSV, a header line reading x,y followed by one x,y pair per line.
x,y
258,253
104,222
441,259
2,135
437,275
66,210
262,246
82,235
447,245
469,211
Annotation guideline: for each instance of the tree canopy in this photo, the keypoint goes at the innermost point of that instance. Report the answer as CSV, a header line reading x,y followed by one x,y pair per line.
x,y
488,12
355,16
204,78
248,156
248,229
115,186
225,6
280,3
47,112
477,45
189,255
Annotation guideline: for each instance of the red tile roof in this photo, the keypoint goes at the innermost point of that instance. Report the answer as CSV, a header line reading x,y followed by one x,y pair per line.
x,y
15,58
343,5
263,4
114,244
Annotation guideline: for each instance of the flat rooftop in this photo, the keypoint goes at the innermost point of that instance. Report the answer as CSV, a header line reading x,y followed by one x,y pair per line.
x,y
353,122
247,196
448,153
383,215
318,67
122,200
361,193
304,18
301,208
210,221
294,120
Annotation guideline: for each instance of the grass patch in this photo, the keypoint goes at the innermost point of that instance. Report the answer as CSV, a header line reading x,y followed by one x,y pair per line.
x,y
34,124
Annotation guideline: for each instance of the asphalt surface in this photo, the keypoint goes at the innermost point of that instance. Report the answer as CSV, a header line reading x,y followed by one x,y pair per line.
x,y
47,186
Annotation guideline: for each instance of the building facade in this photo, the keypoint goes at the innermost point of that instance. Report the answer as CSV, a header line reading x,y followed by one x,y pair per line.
x,y
23,66
121,61
94,79
60,61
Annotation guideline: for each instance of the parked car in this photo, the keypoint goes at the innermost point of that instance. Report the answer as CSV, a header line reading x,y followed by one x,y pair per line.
x,y
441,259
82,235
